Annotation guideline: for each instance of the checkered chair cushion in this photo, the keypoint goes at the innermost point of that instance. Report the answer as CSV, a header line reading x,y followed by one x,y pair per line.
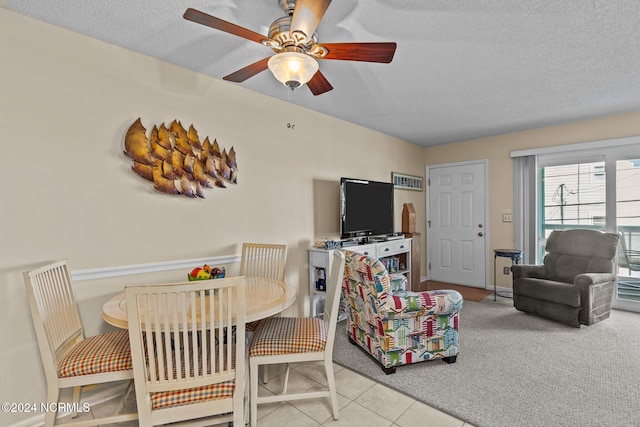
x,y
286,335
108,352
171,398
167,399
252,326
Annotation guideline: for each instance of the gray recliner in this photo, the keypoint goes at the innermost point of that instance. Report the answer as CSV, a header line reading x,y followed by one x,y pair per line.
x,y
576,283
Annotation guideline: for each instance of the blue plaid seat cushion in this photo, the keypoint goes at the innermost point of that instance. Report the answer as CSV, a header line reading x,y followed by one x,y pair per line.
x,y
287,335
98,354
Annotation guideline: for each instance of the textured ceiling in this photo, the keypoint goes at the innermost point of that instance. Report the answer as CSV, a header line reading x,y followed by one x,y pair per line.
x,y
463,68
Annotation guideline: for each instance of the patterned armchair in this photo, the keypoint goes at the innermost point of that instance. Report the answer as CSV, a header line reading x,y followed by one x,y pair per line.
x,y
396,326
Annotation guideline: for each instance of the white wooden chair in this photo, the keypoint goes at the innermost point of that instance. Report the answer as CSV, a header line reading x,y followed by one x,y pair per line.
x,y
290,339
262,260
188,364
70,359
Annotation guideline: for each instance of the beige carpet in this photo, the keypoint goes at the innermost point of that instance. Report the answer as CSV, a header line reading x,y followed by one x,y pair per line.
x,y
519,370
468,293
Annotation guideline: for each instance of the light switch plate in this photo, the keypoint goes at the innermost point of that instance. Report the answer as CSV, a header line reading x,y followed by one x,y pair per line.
x,y
507,217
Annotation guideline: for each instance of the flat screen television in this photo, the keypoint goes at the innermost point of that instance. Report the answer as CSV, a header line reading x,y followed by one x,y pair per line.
x,y
366,208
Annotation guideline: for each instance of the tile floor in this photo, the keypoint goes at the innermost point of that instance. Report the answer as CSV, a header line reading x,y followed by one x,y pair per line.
x,y
358,398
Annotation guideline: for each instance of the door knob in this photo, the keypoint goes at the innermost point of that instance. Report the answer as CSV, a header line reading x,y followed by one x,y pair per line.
x,y
480,234
479,225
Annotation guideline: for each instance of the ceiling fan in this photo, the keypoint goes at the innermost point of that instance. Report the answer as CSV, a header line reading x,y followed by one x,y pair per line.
x,y
296,47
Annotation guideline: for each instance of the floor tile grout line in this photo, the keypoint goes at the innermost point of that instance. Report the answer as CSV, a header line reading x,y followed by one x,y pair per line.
x,y
349,401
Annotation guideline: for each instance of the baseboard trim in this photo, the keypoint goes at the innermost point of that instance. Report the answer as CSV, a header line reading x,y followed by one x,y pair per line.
x,y
502,290
128,270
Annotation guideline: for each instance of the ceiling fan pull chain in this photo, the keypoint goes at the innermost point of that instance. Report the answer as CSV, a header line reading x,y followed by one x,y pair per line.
x,y
290,124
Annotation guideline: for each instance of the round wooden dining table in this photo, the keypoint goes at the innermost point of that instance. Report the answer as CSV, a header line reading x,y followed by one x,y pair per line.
x,y
264,298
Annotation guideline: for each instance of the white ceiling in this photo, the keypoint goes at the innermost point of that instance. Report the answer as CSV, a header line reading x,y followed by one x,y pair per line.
x,y
463,68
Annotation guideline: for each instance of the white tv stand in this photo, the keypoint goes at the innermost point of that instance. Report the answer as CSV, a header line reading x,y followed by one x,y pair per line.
x,y
320,266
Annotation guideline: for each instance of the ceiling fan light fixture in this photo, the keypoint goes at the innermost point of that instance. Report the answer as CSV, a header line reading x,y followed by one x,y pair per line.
x,y
293,69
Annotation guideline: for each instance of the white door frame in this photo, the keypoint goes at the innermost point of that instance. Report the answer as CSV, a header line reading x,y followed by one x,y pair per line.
x,y
485,162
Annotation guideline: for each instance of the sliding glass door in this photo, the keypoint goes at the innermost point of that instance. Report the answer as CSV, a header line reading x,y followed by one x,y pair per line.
x,y
628,225
597,191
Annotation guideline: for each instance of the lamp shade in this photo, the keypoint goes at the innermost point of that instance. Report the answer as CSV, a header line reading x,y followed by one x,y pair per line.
x,y
293,69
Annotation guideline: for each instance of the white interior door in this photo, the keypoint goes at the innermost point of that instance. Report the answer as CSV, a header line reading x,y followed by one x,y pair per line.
x,y
456,224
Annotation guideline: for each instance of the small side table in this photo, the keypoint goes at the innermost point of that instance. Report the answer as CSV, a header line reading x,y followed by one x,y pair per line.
x,y
514,254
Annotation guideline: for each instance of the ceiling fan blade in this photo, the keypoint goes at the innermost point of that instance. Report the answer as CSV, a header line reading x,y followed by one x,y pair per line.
x,y
307,16
222,25
248,71
366,52
319,84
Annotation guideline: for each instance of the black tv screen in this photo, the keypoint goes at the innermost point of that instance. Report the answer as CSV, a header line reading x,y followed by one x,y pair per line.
x,y
366,208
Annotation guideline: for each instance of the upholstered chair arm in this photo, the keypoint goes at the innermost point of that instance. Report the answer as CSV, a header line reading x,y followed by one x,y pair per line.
x,y
596,292
589,279
416,304
520,271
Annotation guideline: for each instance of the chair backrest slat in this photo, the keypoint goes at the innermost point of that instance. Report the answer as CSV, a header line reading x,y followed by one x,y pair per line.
x,y
148,338
54,309
263,260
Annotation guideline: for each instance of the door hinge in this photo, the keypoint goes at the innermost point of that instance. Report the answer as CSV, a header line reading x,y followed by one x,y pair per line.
x,y
429,224
429,266
428,181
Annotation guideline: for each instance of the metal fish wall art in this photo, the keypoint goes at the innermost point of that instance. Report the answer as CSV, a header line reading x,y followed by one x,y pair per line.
x,y
176,161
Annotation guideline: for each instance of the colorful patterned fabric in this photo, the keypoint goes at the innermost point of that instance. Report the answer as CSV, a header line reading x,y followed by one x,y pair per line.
x,y
108,352
285,335
396,326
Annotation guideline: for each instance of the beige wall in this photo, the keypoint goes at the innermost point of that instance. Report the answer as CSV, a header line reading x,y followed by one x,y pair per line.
x,y
497,150
66,103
